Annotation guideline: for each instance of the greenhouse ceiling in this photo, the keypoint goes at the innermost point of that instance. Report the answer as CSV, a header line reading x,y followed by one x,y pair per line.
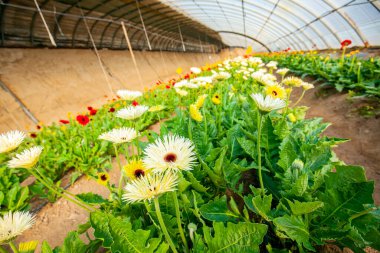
x,y
190,25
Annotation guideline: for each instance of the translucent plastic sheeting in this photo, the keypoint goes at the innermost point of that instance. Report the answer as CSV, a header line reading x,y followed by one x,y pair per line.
x,y
280,24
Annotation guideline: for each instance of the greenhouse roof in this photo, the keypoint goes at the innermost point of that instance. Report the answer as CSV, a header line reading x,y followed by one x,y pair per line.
x,y
267,25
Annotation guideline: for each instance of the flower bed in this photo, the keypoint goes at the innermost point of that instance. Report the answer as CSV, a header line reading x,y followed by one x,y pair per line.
x,y
237,168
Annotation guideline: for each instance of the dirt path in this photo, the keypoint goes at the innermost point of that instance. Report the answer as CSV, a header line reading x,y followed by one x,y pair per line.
x,y
364,147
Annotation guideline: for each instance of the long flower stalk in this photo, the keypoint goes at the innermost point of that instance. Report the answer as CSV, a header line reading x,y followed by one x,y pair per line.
x,y
120,191
74,201
178,216
259,121
13,247
162,225
42,178
2,250
300,98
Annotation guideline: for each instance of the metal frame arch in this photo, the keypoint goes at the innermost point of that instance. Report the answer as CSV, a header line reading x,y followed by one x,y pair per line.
x,y
276,14
349,21
236,12
312,15
252,23
305,23
236,17
249,37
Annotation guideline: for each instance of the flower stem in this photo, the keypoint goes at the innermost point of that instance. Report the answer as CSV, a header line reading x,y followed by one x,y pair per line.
x,y
178,215
163,227
303,93
205,122
42,177
59,193
2,250
259,121
13,247
121,171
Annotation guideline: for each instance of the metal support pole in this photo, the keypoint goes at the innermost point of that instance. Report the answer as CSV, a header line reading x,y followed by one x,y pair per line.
x,y
97,53
132,55
46,26
142,22
180,34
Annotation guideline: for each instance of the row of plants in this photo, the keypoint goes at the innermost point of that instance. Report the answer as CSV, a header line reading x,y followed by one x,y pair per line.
x,y
235,168
350,72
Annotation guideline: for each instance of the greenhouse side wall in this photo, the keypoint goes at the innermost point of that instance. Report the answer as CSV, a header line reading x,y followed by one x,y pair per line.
x,y
52,82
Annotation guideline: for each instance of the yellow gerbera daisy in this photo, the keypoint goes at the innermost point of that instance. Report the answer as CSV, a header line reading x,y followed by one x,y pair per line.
x,y
216,99
103,178
195,114
275,91
135,169
179,71
200,101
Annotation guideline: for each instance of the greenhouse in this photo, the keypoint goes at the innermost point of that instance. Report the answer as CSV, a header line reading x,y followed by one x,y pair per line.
x,y
189,126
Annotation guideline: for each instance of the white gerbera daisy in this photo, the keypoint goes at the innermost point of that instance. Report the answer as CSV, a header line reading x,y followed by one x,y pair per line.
x,y
282,71
195,70
272,65
181,92
182,83
292,81
268,103
132,112
14,224
27,159
129,94
11,140
307,86
150,186
172,152
119,135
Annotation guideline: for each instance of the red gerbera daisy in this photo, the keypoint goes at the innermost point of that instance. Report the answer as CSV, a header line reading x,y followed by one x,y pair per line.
x,y
33,135
167,87
89,108
134,103
83,120
345,43
63,121
93,112
111,109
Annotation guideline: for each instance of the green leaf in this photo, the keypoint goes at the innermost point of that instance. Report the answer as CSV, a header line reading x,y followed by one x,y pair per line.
x,y
127,240
299,208
262,206
195,184
118,235
217,210
288,152
91,198
73,244
248,146
235,238
294,228
45,248
100,222
219,161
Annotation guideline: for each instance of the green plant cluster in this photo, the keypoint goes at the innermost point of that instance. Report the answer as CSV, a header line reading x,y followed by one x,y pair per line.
x,y
347,73
310,197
